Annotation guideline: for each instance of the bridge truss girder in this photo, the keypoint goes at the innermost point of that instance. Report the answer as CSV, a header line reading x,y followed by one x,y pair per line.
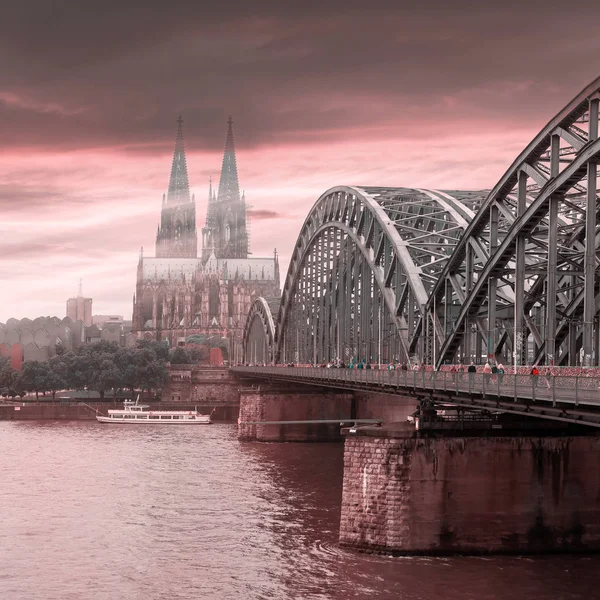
x,y
525,275
259,333
399,274
362,270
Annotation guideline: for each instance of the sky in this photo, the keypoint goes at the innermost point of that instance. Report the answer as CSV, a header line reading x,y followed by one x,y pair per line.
x,y
437,94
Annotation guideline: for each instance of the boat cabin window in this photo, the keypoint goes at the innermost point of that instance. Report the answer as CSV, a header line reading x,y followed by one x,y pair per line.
x,y
154,416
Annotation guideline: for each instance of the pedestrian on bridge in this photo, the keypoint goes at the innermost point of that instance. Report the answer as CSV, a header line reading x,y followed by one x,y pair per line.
x,y
453,371
472,370
501,372
534,376
487,373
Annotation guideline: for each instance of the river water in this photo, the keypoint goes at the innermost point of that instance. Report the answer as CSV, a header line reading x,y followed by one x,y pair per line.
x,y
92,512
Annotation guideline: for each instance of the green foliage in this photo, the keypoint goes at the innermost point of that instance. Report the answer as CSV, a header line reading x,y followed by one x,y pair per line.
x,y
180,356
199,353
37,377
197,338
101,366
201,345
161,349
10,384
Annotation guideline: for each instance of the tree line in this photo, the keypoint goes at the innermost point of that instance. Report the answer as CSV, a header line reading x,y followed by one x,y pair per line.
x,y
102,366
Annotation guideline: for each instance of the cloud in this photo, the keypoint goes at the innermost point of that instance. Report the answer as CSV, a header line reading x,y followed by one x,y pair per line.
x,y
428,94
262,214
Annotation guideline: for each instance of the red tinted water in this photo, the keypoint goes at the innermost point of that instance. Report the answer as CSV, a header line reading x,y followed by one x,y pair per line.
x,y
92,512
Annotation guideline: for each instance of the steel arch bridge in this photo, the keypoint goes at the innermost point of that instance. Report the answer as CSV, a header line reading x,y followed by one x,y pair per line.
x,y
382,274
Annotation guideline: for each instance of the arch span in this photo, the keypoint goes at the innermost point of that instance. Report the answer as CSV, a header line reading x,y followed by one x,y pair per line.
x,y
384,274
522,284
259,332
362,270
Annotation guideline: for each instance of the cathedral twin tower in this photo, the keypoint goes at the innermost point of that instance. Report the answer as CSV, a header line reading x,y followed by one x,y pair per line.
x,y
225,231
180,294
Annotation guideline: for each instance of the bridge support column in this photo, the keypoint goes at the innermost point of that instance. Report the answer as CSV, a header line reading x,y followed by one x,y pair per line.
x,y
292,404
409,495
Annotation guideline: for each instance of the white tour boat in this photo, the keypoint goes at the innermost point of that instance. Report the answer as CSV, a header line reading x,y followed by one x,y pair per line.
x,y
134,413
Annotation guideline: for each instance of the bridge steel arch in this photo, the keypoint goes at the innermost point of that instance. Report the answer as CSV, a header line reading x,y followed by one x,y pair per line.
x,y
362,271
259,332
386,274
522,285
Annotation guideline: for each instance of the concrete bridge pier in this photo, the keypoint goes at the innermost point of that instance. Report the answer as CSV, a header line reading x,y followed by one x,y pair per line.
x,y
405,494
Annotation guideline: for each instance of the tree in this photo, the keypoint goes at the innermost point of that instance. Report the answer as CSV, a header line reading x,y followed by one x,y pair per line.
x,y
54,382
180,356
108,376
9,379
199,353
125,359
197,338
153,375
161,349
36,377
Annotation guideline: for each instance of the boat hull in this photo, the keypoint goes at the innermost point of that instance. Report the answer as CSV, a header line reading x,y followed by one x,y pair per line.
x,y
111,421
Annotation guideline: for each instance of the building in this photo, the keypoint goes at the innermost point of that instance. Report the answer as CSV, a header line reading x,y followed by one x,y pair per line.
x,y
40,338
178,293
80,309
102,320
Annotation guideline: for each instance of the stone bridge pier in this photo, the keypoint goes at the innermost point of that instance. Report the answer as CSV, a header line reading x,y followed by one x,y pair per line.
x,y
514,494
440,492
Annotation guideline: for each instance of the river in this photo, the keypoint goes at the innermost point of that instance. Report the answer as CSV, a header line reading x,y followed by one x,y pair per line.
x,y
92,512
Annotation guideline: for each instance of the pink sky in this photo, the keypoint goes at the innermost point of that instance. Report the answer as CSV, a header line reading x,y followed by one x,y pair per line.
x,y
318,99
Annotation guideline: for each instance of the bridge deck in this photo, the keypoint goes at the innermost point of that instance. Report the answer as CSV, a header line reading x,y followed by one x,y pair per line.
x,y
564,398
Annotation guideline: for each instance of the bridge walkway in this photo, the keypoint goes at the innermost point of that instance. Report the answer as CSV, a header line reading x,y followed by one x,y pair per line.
x,y
571,399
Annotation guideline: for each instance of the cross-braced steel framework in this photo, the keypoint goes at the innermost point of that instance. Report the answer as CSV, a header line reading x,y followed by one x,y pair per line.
x,y
523,281
362,270
382,274
259,331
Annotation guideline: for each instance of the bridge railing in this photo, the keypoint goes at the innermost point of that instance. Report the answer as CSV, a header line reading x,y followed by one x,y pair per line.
x,y
574,390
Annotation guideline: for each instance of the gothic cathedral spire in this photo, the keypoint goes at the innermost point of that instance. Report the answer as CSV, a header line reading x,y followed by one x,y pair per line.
x,y
176,237
179,187
226,227
229,189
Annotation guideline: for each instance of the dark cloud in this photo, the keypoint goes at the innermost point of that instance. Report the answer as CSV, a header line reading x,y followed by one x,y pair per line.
x,y
82,74
262,215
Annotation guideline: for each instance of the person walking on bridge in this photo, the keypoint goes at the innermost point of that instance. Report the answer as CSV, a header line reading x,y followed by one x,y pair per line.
x,y
487,372
534,373
501,372
453,371
471,372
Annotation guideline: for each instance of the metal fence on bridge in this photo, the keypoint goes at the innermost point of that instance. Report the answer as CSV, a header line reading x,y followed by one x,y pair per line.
x,y
576,391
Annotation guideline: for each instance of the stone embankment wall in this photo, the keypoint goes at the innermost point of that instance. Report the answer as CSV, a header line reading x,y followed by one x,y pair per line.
x,y
292,405
471,495
200,384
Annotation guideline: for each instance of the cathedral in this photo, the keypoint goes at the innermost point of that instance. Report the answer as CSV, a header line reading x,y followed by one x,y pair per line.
x,y
180,294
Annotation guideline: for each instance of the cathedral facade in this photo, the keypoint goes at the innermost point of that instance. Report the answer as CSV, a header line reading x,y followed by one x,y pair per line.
x,y
180,294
